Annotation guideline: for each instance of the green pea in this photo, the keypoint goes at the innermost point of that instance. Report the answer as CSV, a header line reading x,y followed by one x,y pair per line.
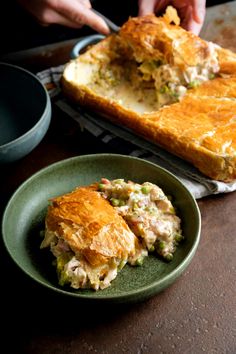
x,y
174,94
145,189
178,237
122,264
164,89
114,201
193,84
211,76
121,202
139,261
118,181
101,186
152,248
161,245
169,257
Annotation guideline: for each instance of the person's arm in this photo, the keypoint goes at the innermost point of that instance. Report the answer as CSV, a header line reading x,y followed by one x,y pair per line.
x,y
70,13
191,12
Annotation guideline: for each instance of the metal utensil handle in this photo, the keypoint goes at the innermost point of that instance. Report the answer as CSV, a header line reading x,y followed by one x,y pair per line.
x,y
112,26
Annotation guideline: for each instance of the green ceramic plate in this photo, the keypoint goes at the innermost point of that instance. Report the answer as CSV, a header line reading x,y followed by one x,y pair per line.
x,y
24,218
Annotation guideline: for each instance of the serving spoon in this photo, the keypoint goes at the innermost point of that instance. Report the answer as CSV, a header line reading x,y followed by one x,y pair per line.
x,y
111,25
94,38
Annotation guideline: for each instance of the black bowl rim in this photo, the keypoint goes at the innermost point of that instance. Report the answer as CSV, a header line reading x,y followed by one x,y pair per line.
x,y
45,115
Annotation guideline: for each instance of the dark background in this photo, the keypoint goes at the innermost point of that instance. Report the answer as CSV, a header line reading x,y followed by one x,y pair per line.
x,y
19,31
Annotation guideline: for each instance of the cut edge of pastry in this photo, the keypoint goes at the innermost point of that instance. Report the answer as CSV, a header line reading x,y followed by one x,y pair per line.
x,y
138,117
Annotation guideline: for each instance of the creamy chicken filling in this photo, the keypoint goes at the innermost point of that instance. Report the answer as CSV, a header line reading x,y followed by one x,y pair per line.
x,y
122,82
148,212
156,82
74,270
171,81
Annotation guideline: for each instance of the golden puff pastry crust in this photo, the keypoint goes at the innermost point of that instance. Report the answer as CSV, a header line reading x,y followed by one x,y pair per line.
x,y
200,130
198,127
220,87
150,36
227,61
90,226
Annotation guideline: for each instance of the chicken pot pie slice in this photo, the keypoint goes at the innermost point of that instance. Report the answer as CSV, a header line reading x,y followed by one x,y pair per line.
x,y
90,240
95,230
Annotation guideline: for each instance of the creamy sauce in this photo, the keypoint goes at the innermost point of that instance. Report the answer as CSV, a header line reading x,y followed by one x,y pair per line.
x,y
148,212
142,88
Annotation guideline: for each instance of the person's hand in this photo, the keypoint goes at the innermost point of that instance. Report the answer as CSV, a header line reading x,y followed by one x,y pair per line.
x,y
69,13
191,12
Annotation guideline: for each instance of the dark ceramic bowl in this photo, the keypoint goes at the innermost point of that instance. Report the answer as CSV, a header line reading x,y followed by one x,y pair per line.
x,y
25,213
25,112
84,42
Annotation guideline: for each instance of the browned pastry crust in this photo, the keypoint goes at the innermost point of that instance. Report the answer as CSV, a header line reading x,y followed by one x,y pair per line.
x,y
151,37
227,61
90,226
200,128
220,87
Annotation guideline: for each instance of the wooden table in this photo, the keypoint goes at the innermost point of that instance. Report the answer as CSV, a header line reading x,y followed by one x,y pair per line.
x,y
195,315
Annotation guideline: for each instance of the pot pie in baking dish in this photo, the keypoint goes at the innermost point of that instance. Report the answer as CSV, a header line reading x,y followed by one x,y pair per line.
x,y
166,85
95,230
